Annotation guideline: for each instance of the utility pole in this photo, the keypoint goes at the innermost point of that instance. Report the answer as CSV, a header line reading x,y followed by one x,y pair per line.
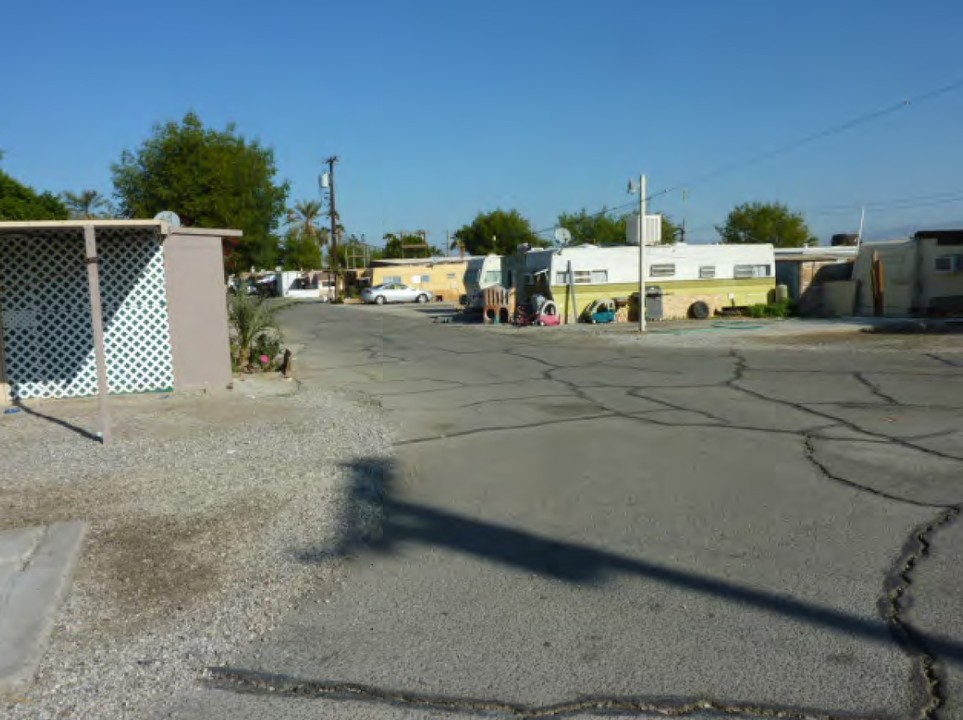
x,y
331,161
862,221
642,238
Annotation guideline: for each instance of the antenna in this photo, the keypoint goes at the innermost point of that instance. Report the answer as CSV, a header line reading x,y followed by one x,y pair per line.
x,y
168,216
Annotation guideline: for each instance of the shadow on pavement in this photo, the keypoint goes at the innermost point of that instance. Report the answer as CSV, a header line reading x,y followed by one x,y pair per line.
x,y
83,432
378,522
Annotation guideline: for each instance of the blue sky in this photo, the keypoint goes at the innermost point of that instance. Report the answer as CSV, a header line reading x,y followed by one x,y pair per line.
x,y
441,109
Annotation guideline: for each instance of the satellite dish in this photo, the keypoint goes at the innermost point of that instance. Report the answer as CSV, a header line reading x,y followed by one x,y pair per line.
x,y
168,216
562,236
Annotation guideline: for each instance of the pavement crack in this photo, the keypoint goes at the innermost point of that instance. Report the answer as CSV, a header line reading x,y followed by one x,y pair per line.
x,y
894,603
943,360
875,389
810,454
260,683
504,428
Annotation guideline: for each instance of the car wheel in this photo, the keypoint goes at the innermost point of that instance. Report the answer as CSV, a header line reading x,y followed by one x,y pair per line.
x,y
421,299
379,299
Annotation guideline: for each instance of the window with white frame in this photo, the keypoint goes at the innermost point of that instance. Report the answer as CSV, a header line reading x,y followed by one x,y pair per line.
x,y
707,272
391,279
751,271
662,270
948,263
493,276
561,278
600,276
582,277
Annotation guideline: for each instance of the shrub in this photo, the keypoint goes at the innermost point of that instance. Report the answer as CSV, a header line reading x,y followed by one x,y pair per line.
x,y
254,331
771,310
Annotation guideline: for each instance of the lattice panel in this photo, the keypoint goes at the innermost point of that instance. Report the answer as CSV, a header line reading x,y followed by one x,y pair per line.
x,y
46,315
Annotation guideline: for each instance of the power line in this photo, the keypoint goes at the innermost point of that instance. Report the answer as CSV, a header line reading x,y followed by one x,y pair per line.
x,y
828,132
786,148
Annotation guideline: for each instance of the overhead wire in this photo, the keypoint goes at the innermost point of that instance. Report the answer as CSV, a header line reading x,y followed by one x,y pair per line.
x,y
788,147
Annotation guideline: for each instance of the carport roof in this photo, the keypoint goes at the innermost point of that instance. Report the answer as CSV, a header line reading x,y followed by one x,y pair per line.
x,y
74,228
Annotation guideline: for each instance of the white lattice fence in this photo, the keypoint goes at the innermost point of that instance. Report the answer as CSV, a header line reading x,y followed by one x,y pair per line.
x,y
46,314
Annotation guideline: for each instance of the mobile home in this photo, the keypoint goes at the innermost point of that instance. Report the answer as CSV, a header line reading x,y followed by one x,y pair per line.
x,y
482,273
922,275
443,277
718,275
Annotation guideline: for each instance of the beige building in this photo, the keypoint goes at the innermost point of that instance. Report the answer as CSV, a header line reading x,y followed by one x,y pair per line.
x,y
920,276
111,306
443,277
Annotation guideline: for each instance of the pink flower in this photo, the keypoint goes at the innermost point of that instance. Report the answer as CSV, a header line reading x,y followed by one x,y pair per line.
x,y
265,359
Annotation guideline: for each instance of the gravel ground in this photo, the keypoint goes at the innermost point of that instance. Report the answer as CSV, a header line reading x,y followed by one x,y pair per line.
x,y
196,515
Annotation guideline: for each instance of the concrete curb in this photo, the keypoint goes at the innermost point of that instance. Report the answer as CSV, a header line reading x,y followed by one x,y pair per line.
x,y
36,566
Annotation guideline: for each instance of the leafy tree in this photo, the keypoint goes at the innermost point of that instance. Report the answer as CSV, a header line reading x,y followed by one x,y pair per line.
x,y
603,229
671,233
20,202
765,223
87,204
302,251
498,231
394,247
209,178
598,229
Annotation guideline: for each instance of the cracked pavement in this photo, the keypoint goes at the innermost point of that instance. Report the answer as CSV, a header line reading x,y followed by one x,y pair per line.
x,y
573,527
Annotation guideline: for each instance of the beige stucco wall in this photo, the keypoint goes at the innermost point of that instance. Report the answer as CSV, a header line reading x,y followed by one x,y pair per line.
x,y
197,309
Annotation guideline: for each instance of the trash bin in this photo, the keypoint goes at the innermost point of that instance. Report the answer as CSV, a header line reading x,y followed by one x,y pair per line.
x,y
654,306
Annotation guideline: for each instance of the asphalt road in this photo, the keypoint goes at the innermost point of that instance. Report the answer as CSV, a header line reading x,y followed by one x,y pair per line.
x,y
572,525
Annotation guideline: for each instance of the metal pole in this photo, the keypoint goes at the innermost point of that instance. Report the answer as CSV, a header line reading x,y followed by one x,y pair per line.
x,y
862,220
97,322
334,224
642,238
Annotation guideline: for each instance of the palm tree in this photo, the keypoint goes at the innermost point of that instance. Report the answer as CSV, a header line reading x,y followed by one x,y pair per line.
x,y
303,218
86,205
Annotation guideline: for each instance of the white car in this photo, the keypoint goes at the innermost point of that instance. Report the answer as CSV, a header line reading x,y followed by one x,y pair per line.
x,y
394,292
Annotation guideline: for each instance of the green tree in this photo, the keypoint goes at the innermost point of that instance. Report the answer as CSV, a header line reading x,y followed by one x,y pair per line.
x,y
765,223
302,251
210,178
603,229
671,233
86,204
394,247
305,217
598,229
20,202
498,231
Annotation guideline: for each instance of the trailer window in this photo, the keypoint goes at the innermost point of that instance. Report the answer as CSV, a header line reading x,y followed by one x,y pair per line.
x,y
451,276
583,277
391,279
493,276
561,278
948,263
600,276
663,270
707,271
751,271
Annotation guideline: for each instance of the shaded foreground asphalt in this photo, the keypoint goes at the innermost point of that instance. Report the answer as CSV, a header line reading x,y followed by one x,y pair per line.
x,y
572,526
